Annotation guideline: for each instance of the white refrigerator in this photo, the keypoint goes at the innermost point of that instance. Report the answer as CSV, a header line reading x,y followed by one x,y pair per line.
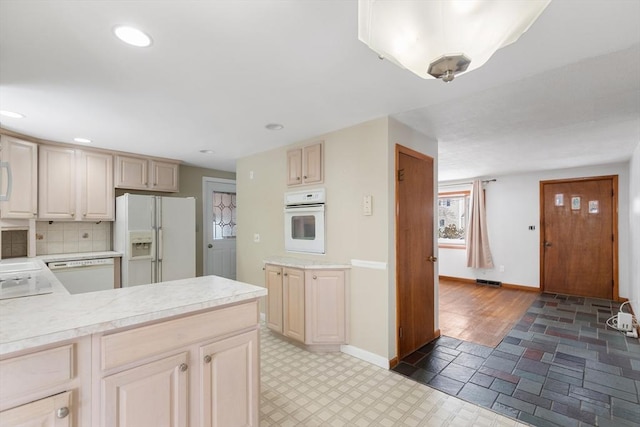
x,y
156,236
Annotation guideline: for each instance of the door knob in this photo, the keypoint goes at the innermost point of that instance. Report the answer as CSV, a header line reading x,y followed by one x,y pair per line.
x,y
432,258
547,244
62,412
209,245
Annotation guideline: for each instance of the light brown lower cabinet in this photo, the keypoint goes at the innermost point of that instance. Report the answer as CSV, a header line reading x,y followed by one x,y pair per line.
x,y
153,394
47,387
49,412
309,306
198,370
230,378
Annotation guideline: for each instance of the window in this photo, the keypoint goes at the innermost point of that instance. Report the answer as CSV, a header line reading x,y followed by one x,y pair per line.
x,y
453,211
224,215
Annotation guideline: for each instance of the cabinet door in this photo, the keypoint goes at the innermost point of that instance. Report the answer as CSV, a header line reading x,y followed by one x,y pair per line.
x,y
325,305
293,303
154,394
95,174
57,183
22,157
53,411
273,280
164,176
230,383
312,164
294,166
131,172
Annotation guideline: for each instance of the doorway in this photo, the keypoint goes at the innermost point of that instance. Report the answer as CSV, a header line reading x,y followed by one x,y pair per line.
x,y
578,233
414,250
219,227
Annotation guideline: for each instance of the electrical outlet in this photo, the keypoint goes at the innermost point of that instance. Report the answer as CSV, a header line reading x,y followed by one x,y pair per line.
x,y
256,238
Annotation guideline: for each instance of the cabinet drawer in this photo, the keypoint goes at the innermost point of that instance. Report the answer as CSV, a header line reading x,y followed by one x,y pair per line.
x,y
36,372
136,344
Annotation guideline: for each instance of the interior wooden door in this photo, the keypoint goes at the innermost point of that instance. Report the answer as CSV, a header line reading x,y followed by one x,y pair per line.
x,y
578,237
414,250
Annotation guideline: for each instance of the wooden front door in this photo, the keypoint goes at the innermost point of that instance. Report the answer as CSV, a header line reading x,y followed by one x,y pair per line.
x,y
579,237
414,250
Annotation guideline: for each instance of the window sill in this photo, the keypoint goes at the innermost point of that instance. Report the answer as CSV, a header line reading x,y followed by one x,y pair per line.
x,y
445,246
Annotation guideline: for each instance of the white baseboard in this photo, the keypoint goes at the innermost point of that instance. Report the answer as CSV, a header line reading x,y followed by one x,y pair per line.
x,y
367,356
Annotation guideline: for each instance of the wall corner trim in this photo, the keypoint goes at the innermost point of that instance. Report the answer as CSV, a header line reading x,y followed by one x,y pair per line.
x,y
365,355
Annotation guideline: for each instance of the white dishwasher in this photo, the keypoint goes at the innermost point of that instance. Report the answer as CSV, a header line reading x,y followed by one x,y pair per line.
x,y
86,275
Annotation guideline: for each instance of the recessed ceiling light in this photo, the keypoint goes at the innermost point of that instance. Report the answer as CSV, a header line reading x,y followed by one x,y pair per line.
x,y
11,114
207,151
274,126
132,36
82,140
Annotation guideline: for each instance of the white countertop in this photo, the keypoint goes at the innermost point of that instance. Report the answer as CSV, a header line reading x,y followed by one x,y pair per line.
x,y
304,263
44,319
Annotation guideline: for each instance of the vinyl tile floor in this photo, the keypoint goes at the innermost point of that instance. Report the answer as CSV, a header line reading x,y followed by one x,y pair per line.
x,y
299,388
558,366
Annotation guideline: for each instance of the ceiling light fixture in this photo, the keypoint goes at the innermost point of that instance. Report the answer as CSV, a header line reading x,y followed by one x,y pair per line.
x,y
442,38
82,140
207,151
274,126
132,36
11,114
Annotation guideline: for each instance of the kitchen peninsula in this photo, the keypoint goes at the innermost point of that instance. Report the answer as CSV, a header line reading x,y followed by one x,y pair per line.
x,y
178,353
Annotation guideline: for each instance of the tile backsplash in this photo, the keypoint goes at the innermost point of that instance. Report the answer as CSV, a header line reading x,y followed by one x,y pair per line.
x,y
14,243
69,237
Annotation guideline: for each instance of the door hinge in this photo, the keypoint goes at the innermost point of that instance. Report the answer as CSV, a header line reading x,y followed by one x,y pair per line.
x,y
400,332
400,174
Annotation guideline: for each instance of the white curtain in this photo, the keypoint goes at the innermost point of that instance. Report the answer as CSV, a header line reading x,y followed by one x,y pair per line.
x,y
478,251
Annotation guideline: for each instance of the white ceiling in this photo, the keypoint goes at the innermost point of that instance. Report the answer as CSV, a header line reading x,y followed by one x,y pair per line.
x,y
566,94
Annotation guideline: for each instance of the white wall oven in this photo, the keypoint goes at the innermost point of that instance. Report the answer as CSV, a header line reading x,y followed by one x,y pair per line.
x,y
304,221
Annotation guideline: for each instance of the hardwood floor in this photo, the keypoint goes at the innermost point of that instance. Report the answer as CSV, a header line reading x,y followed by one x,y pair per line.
x,y
480,314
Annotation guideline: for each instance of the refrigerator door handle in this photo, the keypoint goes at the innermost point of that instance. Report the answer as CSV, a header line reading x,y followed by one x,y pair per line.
x,y
160,244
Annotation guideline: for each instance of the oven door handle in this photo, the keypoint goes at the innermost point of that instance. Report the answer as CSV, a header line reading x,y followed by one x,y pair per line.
x,y
304,208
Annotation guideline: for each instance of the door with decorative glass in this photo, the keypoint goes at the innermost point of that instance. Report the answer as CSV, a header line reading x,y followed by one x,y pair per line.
x,y
220,227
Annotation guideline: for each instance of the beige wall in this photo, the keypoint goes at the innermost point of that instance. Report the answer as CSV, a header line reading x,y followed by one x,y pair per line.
x,y
358,160
191,186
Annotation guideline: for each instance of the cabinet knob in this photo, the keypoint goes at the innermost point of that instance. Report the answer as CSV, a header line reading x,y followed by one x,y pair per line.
x,y
207,359
315,277
62,412
285,274
305,177
184,367
278,273
298,178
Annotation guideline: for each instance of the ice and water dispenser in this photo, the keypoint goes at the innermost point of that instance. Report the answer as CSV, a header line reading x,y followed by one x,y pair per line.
x,y
141,244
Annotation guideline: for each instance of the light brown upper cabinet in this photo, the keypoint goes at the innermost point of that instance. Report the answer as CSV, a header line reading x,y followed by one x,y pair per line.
x,y
305,164
21,160
140,173
75,184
